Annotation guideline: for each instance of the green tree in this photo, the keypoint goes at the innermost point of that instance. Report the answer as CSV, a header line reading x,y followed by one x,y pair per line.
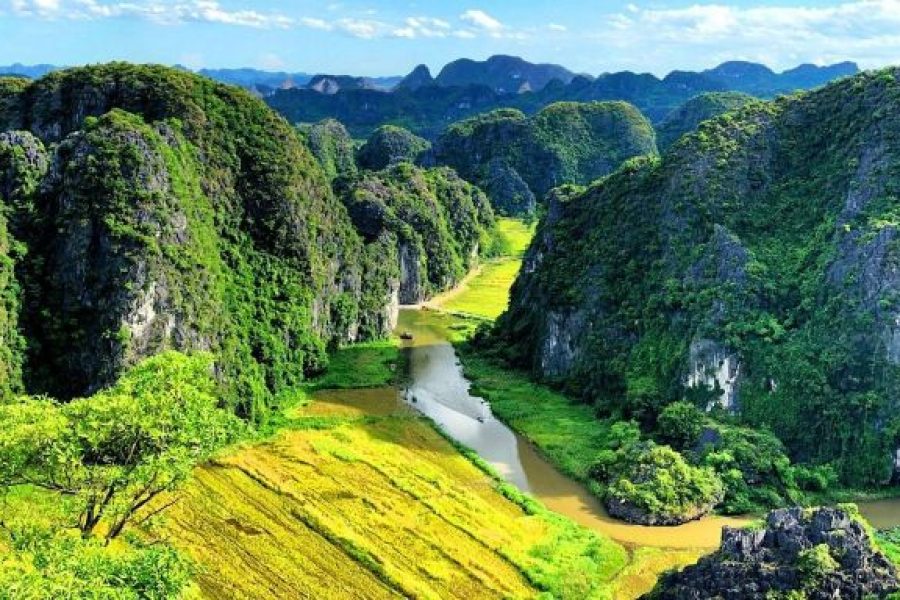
x,y
113,453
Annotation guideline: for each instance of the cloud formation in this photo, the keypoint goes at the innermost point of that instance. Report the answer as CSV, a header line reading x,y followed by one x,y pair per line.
x,y
471,24
866,30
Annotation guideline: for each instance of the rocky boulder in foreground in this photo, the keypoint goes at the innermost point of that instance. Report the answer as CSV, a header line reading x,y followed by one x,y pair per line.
x,y
800,553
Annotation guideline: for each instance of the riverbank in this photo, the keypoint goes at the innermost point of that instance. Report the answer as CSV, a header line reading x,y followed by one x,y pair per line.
x,y
357,495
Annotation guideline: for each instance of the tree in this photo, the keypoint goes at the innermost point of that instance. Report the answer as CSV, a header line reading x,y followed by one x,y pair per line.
x,y
113,453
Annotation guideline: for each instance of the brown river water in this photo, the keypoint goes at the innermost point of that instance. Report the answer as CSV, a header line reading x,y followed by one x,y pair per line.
x,y
436,387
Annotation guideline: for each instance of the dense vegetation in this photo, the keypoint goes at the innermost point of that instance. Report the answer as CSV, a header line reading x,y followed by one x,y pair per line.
x,y
432,224
752,274
517,159
389,145
687,117
76,473
332,146
426,106
161,210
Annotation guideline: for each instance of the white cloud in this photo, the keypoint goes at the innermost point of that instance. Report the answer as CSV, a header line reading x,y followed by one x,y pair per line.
x,y
360,28
209,11
482,20
864,30
557,27
320,24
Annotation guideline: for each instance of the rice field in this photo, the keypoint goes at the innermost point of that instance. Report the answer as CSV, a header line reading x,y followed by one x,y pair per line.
x,y
486,292
375,505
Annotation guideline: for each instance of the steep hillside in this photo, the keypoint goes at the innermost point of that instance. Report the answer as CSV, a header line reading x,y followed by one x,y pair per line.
x,y
431,224
159,209
517,159
753,270
332,146
689,115
389,145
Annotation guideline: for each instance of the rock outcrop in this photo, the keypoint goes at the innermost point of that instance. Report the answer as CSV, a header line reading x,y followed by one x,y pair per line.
x,y
565,143
158,210
755,262
820,554
430,223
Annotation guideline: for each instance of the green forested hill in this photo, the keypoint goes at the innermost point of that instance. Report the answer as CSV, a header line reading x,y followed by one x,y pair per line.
x,y
158,209
753,269
517,159
689,115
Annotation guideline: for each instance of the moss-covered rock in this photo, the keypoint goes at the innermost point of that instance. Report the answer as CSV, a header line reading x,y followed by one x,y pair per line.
x,y
389,145
753,269
687,117
564,143
432,223
179,213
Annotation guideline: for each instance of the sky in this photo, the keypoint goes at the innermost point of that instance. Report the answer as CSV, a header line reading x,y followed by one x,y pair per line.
x,y
390,37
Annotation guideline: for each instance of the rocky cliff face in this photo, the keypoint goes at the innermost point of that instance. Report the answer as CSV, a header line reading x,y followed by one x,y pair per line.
x,y
432,223
161,210
819,554
754,267
563,143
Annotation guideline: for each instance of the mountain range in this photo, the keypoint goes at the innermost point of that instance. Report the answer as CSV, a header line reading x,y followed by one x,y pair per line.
x,y
427,104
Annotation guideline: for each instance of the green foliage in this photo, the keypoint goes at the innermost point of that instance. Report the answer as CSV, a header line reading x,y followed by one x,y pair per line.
x,y
657,481
112,453
565,143
680,424
46,565
687,117
332,146
389,145
814,564
767,234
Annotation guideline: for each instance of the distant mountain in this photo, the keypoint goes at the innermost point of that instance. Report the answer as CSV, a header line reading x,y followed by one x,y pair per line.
x,y
30,71
332,84
503,74
419,77
255,79
465,88
759,80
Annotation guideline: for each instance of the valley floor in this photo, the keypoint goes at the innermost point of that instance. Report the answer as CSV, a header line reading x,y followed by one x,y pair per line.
x,y
355,496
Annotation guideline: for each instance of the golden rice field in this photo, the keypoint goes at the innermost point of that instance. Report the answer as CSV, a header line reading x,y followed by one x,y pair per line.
x,y
486,292
363,506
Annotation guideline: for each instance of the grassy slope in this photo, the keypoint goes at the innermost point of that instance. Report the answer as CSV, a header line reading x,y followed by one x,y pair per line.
x,y
354,498
486,294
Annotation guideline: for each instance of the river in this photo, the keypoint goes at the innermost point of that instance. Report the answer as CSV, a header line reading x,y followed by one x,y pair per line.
x,y
436,382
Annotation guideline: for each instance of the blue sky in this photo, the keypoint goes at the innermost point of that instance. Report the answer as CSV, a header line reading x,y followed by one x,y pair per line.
x,y
382,37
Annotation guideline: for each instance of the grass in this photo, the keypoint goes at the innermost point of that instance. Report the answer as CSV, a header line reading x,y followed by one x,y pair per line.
x,y
486,293
378,507
569,434
371,364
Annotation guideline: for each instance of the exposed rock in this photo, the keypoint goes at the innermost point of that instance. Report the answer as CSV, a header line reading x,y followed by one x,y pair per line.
x,y
824,553
713,367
